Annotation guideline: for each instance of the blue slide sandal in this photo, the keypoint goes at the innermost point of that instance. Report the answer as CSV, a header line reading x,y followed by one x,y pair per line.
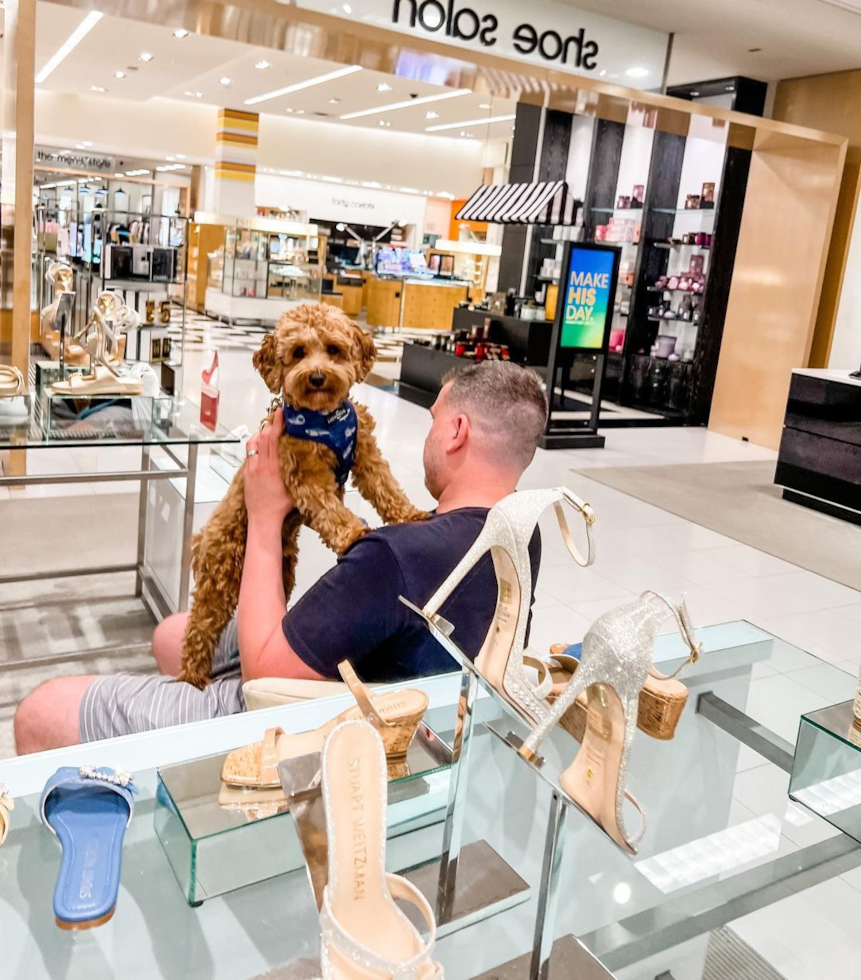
x,y
88,810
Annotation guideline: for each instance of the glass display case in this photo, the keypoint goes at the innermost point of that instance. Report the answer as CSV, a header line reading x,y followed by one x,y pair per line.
x,y
265,260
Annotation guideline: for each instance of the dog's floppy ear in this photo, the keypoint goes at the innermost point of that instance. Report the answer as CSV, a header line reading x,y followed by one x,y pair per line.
x,y
364,351
265,361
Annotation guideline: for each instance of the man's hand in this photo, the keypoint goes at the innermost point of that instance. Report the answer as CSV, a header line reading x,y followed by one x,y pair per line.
x,y
266,497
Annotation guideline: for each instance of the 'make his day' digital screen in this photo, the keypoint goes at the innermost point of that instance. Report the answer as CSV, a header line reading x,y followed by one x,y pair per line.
x,y
587,298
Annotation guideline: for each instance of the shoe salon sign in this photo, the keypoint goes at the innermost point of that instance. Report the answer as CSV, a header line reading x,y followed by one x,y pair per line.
x,y
550,34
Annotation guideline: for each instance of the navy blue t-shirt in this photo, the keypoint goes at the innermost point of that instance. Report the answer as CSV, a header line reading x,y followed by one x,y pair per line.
x,y
353,612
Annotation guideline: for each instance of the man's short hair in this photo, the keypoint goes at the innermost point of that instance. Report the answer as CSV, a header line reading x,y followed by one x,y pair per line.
x,y
505,402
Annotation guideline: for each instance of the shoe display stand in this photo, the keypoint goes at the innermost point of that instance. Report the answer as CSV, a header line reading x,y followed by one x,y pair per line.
x,y
138,270
826,767
161,427
215,849
469,882
721,902
722,842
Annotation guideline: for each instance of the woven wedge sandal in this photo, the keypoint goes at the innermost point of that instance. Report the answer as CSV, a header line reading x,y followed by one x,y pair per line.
x,y
395,714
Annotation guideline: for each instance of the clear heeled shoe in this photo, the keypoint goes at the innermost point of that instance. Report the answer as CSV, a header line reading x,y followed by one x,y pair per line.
x,y
506,534
614,666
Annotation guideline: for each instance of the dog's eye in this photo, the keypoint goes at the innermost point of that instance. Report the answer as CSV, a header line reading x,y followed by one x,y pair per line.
x,y
298,354
333,351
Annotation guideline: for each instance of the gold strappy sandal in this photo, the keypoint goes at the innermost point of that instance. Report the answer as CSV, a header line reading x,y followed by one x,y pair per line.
x,y
7,805
395,714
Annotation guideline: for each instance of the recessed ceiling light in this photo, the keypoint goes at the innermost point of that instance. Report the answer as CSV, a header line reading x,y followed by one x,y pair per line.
x,y
637,72
262,65
119,74
485,105
97,88
180,33
334,101
170,158
470,122
347,8
288,110
86,143
224,80
71,42
194,95
179,156
403,105
318,80
300,112
695,95
602,72
146,56
384,87
730,88
80,146
430,114
384,123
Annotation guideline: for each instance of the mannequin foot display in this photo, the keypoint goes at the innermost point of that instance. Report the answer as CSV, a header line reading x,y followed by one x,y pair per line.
x,y
363,933
662,699
397,714
614,666
507,534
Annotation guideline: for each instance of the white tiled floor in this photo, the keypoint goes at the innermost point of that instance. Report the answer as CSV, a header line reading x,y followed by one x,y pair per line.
x,y
812,936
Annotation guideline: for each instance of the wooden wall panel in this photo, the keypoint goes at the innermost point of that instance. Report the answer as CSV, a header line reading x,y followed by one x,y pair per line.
x,y
830,102
792,193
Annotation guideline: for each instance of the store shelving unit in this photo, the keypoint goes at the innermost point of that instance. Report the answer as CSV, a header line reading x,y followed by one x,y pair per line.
x,y
264,268
680,390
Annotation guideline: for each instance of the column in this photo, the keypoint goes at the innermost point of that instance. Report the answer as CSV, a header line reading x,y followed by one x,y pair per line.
x,y
236,163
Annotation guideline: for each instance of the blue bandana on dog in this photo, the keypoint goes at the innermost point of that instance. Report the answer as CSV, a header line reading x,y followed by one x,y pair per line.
x,y
337,430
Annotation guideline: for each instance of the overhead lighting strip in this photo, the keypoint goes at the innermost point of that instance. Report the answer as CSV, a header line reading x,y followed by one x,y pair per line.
x,y
392,106
470,122
310,83
69,45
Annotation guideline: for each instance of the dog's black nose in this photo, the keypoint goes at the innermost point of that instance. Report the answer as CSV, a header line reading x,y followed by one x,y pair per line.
x,y
318,380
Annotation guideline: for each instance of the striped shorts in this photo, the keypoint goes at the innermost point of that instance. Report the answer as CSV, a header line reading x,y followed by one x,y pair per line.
x,y
121,704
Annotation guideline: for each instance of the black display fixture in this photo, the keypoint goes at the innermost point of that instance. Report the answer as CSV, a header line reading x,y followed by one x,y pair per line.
x,y
681,391
741,94
584,317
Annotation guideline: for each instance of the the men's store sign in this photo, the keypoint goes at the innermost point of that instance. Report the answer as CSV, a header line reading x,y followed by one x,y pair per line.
x,y
550,34
73,160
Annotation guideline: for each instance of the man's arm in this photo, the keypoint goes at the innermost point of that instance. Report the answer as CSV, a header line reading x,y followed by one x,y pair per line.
x,y
264,650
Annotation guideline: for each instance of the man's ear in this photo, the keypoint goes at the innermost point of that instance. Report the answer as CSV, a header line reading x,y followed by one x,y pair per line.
x,y
364,351
265,361
461,432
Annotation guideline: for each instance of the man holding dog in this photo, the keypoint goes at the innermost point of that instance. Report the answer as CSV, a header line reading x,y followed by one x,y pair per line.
x,y
485,426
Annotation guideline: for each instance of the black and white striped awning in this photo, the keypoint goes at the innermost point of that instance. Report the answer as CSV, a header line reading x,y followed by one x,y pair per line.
x,y
545,203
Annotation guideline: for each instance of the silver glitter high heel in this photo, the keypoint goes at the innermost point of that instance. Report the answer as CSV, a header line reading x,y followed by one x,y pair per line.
x,y
615,663
364,935
506,534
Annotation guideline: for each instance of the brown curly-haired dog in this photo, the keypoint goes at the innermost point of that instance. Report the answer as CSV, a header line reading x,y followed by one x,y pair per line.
x,y
311,360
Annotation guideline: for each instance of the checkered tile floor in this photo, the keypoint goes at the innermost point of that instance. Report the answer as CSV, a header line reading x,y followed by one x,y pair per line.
x,y
204,333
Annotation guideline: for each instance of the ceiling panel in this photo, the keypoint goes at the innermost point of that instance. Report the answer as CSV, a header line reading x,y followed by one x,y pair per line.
x,y
191,69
